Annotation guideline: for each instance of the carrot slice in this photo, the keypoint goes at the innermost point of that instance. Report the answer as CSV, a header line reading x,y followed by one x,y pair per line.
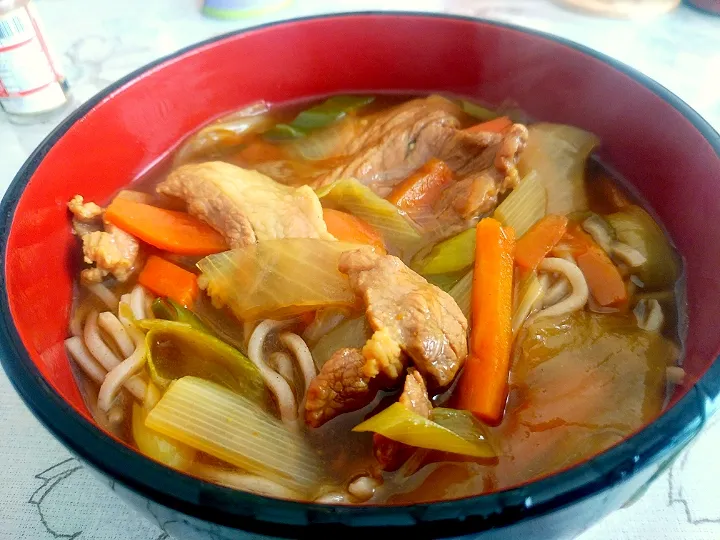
x,y
534,245
603,278
496,125
423,187
169,280
169,230
348,228
482,389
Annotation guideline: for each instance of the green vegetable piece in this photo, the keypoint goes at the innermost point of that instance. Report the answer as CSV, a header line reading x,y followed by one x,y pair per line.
x,y
176,350
525,205
231,428
636,228
462,293
464,424
400,424
476,111
169,310
328,112
451,255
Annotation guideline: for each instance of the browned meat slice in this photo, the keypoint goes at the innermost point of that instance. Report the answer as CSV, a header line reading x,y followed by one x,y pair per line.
x,y
396,142
341,386
87,216
84,211
402,307
112,251
486,165
246,206
415,395
392,454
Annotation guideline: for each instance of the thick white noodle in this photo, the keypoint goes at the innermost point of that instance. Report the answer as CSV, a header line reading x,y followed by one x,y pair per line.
x,y
302,354
579,295
78,318
96,345
124,373
114,328
280,388
137,302
77,350
559,290
104,294
282,363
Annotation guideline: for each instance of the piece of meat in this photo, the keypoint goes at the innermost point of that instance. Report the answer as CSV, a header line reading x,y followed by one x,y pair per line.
x,y
341,386
112,251
423,320
392,454
84,211
486,165
396,142
246,206
415,395
87,216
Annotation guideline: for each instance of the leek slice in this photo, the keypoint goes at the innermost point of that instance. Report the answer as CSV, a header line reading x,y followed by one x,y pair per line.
x,y
157,446
530,291
636,228
464,424
526,205
176,350
279,278
229,427
349,333
227,132
462,293
557,153
399,233
451,255
169,310
400,424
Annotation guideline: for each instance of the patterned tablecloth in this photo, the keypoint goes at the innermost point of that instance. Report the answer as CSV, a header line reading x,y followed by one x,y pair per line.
x,y
46,494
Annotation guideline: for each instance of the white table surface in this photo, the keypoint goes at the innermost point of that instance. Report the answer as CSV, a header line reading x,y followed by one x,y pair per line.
x,y
46,494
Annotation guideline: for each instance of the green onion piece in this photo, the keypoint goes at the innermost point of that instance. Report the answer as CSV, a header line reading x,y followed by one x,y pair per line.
x,y
328,112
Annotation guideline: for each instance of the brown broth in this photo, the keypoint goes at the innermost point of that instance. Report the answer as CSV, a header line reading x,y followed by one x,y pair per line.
x,y
563,402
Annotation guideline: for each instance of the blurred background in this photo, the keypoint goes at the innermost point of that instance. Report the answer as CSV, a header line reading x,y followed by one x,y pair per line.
x,y
44,492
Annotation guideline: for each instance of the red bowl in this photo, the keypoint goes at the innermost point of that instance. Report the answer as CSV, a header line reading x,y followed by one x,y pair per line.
x,y
651,137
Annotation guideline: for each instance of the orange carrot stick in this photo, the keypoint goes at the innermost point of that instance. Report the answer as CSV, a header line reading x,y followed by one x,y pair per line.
x,y
483,386
534,245
168,280
423,187
603,278
496,125
169,230
348,228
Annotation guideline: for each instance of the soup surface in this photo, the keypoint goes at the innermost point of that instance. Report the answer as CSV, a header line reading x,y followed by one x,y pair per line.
x,y
375,299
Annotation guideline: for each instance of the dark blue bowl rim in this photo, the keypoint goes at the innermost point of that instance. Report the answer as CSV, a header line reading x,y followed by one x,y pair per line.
x,y
215,504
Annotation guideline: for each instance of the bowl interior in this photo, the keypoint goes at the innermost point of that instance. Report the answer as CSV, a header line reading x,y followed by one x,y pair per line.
x,y
123,134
